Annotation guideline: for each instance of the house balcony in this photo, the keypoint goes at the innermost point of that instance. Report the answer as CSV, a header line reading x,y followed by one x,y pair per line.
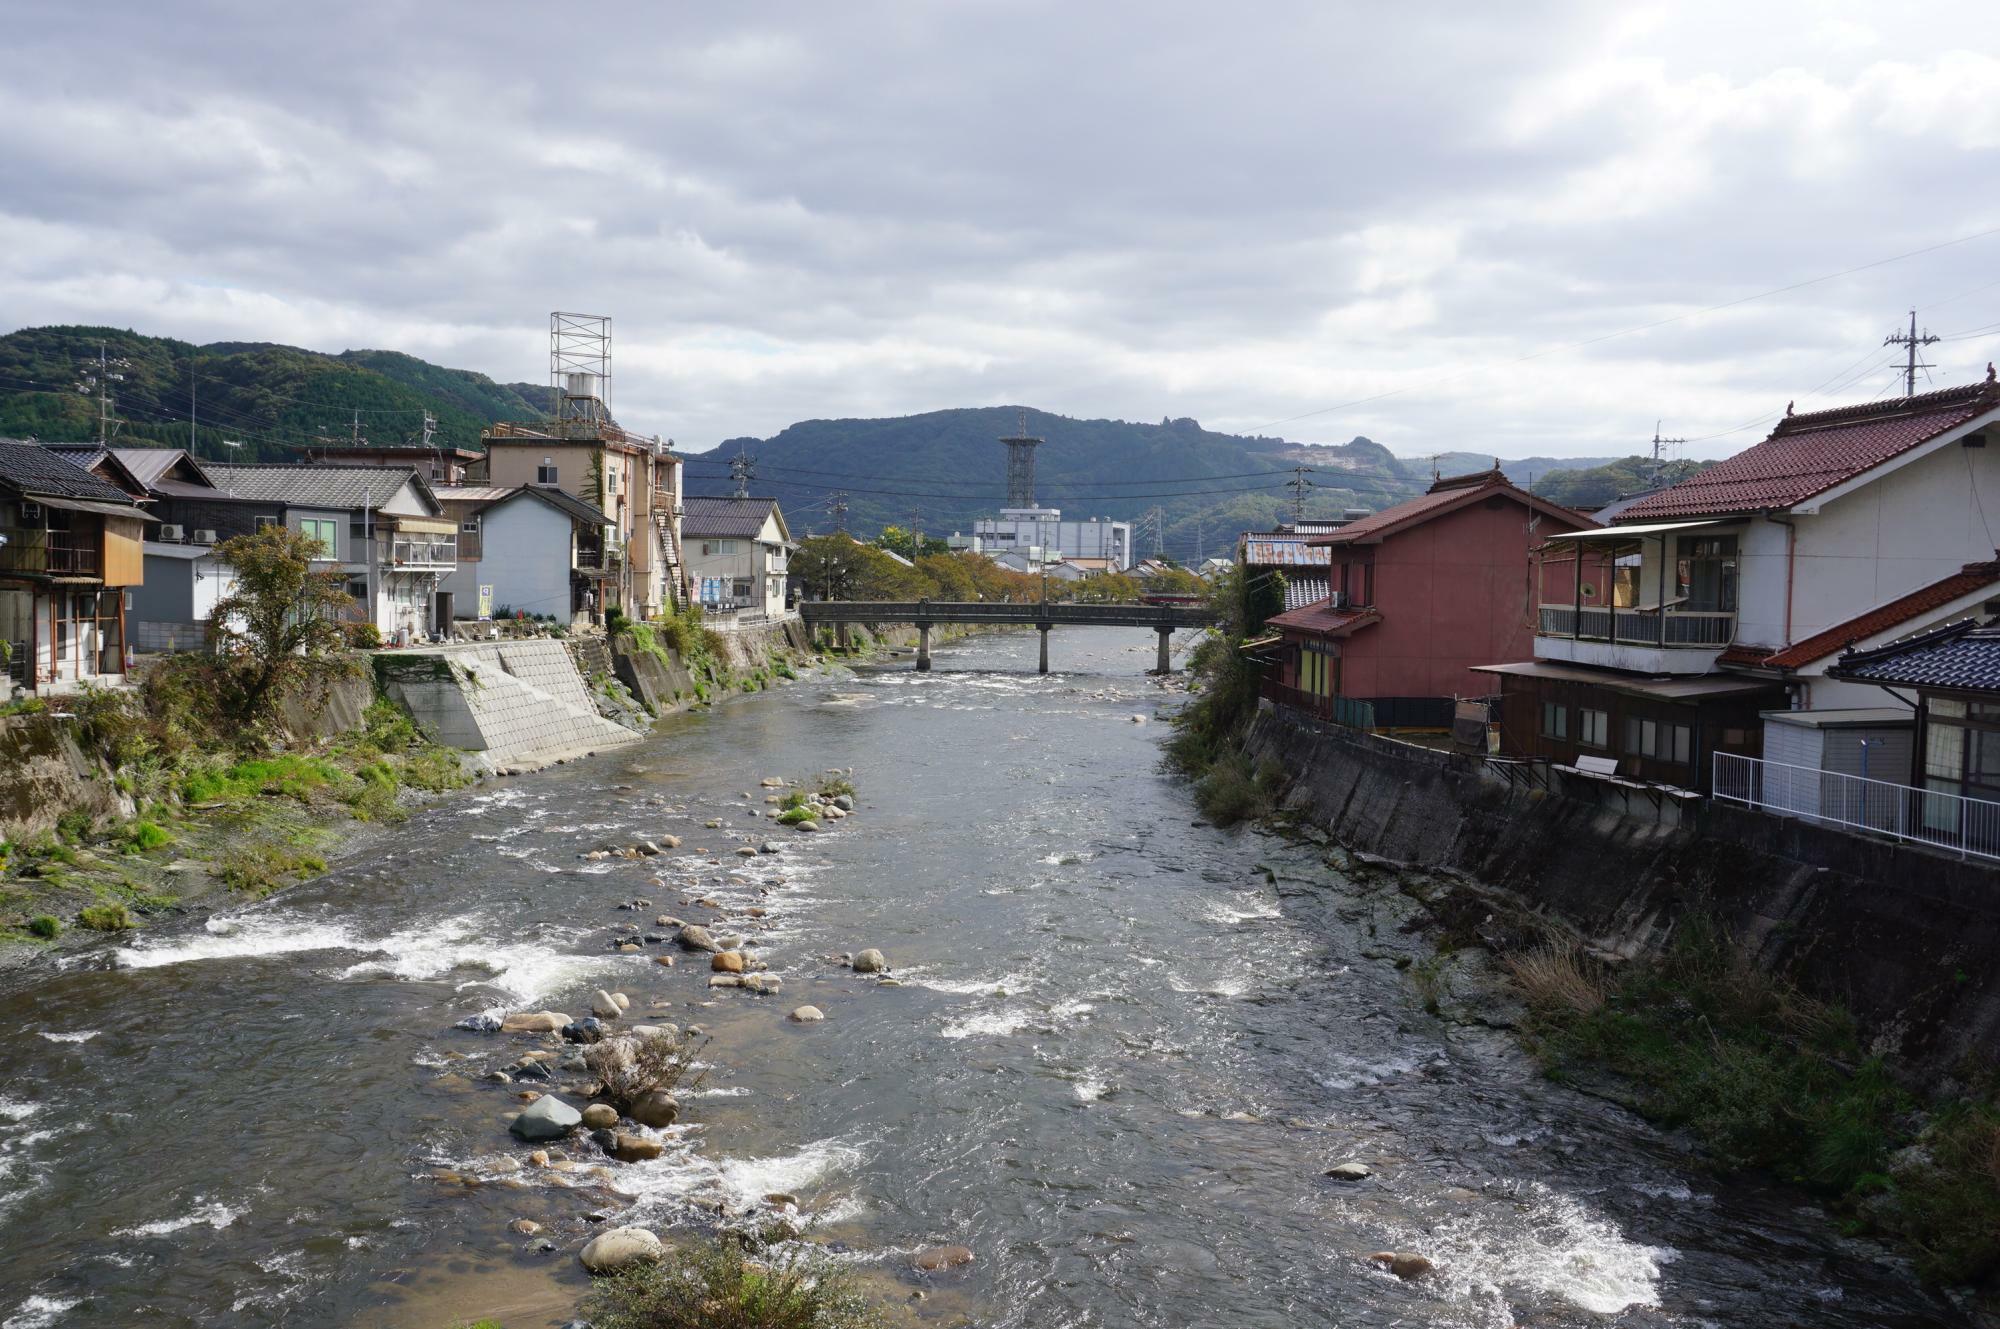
x,y
55,553
424,553
1642,640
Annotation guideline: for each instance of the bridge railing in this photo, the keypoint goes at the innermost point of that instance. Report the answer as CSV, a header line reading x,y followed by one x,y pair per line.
x,y
988,611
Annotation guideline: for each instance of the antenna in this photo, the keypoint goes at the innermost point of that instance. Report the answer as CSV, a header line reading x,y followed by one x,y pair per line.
x,y
1911,341
742,469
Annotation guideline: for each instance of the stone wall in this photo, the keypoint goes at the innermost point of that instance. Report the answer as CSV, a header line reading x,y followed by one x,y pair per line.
x,y
516,704
1904,937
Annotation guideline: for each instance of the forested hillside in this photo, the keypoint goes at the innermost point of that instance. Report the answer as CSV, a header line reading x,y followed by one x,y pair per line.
x,y
1592,487
944,469
260,395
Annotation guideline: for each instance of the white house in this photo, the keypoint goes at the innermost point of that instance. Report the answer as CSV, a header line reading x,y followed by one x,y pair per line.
x,y
534,550
737,551
1741,585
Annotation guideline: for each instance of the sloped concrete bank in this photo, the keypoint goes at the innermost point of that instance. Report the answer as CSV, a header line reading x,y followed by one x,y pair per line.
x,y
515,705
1902,937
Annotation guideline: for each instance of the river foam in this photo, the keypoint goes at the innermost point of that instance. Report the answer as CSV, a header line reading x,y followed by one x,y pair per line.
x,y
209,1213
1550,1247
38,1312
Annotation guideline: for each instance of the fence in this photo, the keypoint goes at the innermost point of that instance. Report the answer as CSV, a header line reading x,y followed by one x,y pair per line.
x,y
1638,627
1968,827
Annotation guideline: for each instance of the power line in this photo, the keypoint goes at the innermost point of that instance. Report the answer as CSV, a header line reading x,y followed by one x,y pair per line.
x,y
1910,342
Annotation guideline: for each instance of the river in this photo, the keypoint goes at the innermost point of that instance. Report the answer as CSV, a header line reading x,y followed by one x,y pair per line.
x,y
1125,1049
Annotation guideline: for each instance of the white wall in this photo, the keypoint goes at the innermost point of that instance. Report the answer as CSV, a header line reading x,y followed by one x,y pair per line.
x,y
525,556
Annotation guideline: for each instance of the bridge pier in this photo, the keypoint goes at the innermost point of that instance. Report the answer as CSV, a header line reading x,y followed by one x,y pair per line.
x,y
840,634
1043,630
923,648
1166,660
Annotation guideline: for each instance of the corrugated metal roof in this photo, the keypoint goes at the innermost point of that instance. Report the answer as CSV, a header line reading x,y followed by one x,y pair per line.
x,y
1323,619
1303,588
1959,657
1810,454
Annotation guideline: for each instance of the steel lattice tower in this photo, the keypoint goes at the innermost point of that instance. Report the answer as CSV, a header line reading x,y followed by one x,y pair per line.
x,y
1021,466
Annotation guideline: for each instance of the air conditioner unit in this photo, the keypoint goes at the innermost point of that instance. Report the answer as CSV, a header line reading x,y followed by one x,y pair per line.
x,y
204,537
172,534
1338,599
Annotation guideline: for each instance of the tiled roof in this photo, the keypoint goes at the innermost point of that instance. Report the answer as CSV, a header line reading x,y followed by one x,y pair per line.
x,y
1959,657
1975,577
315,486
149,464
1322,619
1273,549
728,518
30,468
1810,454
1305,588
1445,495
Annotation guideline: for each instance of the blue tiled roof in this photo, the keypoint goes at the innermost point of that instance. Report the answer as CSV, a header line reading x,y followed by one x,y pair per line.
x,y
1959,657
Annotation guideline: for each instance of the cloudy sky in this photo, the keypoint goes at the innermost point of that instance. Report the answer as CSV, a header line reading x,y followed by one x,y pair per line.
x,y
1244,213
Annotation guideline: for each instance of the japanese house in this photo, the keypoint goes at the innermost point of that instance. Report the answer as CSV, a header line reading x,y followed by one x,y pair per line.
x,y
71,547
534,551
1711,610
737,551
1419,596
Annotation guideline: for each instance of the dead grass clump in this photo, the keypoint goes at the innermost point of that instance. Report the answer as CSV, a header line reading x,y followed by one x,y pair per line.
x,y
1555,976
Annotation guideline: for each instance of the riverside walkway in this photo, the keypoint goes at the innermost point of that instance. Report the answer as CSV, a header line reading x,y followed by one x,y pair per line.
x,y
1162,619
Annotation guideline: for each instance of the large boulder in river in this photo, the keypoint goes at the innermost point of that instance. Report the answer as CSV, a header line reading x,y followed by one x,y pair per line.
x,y
587,1030
629,1148
726,962
533,1022
655,1109
547,1118
935,1258
808,1015
621,1248
1402,1264
694,937
600,1116
605,1006
870,962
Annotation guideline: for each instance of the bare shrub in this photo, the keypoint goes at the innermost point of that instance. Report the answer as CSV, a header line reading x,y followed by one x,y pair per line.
x,y
630,1066
1555,976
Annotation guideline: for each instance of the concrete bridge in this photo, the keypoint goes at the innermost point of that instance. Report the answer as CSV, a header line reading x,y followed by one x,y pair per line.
x,y
1162,619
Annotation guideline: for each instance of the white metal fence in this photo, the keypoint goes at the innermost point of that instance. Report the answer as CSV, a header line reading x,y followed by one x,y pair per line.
x,y
1959,825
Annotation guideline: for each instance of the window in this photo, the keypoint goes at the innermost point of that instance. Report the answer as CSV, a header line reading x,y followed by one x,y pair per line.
x,y
469,527
262,522
1662,742
1705,574
1593,728
324,531
1555,720
31,513
545,474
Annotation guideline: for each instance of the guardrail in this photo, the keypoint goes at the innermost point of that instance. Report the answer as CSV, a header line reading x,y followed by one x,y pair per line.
x,y
986,611
1968,827
1637,627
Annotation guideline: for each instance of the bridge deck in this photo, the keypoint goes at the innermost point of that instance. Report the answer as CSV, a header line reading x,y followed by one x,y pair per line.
x,y
1051,615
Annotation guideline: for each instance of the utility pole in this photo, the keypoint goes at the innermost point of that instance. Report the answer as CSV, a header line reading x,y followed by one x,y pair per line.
x,y
1911,341
194,386
742,470
1299,484
1659,447
106,426
839,509
916,533
1158,517
354,433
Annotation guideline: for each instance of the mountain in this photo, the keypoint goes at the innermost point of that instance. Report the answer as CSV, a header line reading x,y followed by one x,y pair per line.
x,y
1590,487
1523,471
261,395
944,469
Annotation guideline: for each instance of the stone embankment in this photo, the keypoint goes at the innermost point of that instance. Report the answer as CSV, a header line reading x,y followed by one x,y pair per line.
x,y
515,705
1902,937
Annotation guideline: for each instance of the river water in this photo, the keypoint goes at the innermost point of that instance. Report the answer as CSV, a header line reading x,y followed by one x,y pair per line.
x,y
1125,1048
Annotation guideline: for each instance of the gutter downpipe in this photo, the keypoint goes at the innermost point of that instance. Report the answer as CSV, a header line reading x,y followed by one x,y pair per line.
x,y
1791,563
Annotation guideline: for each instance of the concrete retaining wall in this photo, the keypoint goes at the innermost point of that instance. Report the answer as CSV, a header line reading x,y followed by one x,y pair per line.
x,y
1901,936
44,775
518,704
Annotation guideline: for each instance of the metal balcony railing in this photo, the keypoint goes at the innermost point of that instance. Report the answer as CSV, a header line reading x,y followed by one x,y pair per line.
x,y
1968,827
57,552
1638,627
440,552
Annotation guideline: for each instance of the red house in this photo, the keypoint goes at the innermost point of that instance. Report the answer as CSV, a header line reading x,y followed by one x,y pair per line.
x,y
1421,594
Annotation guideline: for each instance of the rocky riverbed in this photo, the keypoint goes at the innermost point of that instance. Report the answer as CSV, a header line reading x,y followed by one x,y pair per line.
x,y
1109,1067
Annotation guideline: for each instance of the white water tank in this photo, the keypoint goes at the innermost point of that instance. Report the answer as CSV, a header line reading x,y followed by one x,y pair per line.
x,y
580,384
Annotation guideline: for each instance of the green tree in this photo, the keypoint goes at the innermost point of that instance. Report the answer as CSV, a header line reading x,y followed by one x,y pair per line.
x,y
278,630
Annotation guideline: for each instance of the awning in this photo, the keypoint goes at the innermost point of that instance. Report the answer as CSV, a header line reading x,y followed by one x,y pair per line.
x,y
1612,533
86,505
1688,687
424,525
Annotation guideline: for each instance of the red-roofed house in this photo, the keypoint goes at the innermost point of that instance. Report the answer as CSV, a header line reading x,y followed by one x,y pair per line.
x,y
1421,594
1848,527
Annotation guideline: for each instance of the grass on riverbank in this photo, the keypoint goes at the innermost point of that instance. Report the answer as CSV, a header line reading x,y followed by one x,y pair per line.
x,y
713,1283
1769,1079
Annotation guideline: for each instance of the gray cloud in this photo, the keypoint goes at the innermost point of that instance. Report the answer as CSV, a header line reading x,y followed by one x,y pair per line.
x,y
1119,209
